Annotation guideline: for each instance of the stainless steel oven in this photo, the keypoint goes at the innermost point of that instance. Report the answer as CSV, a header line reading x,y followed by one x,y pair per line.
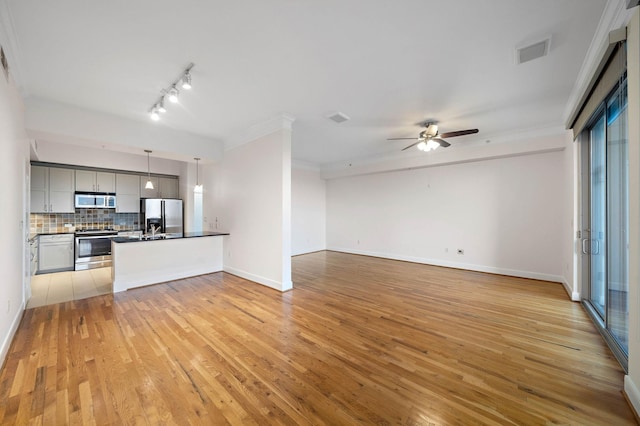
x,y
93,248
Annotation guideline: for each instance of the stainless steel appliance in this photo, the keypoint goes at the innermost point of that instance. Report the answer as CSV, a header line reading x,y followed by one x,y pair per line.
x,y
164,214
93,248
93,200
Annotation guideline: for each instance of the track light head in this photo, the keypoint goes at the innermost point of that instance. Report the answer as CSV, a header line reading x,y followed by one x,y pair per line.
x,y
186,80
154,114
173,94
160,106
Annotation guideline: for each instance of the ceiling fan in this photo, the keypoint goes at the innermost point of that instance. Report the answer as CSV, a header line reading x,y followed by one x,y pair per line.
x,y
429,138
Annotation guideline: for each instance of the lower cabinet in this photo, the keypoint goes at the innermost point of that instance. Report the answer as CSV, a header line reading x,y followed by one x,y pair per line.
x,y
33,249
55,253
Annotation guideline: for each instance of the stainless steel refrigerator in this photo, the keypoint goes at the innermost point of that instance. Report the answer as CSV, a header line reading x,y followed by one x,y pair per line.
x,y
162,213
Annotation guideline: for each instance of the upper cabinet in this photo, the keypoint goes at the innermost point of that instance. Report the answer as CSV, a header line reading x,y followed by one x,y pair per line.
x,y
163,187
149,193
92,181
168,187
52,190
127,193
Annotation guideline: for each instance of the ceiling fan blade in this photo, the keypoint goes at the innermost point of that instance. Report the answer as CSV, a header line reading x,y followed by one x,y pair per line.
x,y
458,133
399,139
442,142
413,144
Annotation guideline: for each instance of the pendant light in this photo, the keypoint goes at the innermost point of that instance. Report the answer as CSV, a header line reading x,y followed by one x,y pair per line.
x,y
149,184
198,187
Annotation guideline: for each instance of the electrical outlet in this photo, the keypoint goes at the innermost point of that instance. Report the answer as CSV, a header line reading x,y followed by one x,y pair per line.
x,y
460,251
446,250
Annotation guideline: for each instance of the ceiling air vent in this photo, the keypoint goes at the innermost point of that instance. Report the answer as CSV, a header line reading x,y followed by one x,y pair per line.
x,y
532,51
338,117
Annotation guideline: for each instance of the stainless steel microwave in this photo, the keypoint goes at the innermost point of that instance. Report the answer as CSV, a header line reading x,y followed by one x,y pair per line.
x,y
92,200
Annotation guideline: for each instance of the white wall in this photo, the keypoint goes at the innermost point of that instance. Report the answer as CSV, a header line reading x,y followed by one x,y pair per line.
x,y
506,214
14,151
569,200
308,211
253,186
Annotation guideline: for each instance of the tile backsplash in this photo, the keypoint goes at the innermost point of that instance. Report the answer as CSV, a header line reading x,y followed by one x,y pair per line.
x,y
43,223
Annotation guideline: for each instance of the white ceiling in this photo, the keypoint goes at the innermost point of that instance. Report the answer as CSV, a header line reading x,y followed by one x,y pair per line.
x,y
386,64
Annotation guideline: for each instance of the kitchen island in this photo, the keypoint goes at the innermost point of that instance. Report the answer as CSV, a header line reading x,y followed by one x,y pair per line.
x,y
140,262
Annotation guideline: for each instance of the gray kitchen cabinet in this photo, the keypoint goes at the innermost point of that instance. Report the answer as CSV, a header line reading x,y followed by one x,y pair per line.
x,y
163,187
52,190
149,193
55,253
39,189
127,193
92,181
168,187
33,254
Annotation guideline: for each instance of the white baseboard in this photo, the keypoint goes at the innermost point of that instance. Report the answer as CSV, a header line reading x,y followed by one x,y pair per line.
x,y
574,295
6,343
633,395
456,265
258,279
142,279
307,251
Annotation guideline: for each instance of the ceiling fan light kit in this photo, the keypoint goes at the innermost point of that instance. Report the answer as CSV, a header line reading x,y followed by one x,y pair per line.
x,y
428,145
171,93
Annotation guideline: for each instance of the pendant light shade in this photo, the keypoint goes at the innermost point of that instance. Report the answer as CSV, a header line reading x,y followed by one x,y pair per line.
x,y
198,187
149,184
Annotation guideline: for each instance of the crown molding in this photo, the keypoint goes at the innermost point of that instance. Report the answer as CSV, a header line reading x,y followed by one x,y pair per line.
x,y
283,121
517,143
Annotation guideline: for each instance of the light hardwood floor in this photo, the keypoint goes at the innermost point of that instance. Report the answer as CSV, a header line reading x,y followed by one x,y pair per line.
x,y
358,341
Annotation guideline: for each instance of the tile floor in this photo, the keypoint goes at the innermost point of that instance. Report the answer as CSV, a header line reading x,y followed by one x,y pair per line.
x,y
47,289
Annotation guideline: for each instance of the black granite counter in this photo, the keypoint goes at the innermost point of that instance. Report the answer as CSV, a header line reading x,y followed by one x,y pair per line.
x,y
34,236
168,237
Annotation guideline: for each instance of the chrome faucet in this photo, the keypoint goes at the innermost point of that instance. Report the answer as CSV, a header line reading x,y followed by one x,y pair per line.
x,y
154,229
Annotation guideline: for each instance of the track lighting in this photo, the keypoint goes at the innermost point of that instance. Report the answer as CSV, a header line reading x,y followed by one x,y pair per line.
x,y
160,106
186,80
172,93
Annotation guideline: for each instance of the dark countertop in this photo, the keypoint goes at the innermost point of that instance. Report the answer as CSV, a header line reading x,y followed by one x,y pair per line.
x,y
170,237
34,236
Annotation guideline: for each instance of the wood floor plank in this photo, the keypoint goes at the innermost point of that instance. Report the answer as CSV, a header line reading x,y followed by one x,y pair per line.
x,y
359,340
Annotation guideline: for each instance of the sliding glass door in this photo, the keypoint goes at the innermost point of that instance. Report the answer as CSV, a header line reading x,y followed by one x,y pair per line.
x,y
596,245
605,241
